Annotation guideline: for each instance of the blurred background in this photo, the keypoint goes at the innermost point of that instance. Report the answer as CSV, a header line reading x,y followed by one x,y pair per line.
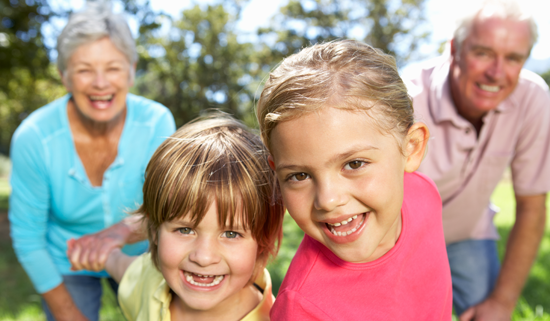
x,y
196,55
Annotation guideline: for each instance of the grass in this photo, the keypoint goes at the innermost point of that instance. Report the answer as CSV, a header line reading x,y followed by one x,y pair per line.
x,y
19,301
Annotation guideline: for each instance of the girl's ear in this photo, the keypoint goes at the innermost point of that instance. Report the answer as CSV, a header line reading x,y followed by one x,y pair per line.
x,y
271,162
416,145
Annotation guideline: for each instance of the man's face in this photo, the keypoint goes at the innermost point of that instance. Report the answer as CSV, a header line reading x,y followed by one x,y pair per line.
x,y
486,69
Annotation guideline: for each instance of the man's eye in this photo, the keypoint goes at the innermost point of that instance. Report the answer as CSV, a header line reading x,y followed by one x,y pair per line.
x,y
354,164
299,177
186,230
231,234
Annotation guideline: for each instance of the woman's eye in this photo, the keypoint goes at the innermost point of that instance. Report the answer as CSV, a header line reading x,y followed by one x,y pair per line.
x,y
354,165
186,230
230,234
299,177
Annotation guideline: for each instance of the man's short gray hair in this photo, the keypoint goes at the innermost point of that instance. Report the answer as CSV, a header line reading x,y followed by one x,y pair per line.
x,y
96,21
505,9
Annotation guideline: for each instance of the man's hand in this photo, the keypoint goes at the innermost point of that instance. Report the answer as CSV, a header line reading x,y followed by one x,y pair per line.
x,y
521,251
488,310
90,252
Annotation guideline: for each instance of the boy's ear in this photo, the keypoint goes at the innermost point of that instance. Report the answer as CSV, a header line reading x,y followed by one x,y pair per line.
x,y
271,162
416,144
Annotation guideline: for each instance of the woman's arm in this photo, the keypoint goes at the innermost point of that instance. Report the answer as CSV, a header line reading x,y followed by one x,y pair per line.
x,y
90,252
117,263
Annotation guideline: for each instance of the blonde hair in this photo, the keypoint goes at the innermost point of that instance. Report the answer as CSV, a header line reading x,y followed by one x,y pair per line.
x,y
215,158
345,74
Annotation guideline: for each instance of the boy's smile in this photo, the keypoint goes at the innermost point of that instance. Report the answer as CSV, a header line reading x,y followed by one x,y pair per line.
x,y
342,180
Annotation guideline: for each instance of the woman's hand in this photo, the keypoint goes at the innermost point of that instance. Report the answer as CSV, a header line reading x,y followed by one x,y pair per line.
x,y
90,252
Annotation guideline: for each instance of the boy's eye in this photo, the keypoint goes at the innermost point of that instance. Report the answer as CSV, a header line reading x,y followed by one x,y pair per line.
x,y
299,177
354,164
230,234
186,230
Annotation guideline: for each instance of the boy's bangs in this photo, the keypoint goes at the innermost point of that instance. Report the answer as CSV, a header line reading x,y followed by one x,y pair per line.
x,y
217,171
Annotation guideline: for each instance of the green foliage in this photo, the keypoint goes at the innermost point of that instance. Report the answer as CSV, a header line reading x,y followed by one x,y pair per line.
x,y
396,27
199,64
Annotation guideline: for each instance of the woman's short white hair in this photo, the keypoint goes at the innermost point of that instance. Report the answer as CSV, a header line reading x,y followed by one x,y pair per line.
x,y
96,21
505,9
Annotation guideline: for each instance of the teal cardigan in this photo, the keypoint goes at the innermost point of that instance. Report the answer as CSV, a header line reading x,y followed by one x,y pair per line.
x,y
52,199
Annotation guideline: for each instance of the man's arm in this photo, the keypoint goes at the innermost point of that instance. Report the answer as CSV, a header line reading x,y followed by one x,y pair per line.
x,y
521,251
61,304
90,252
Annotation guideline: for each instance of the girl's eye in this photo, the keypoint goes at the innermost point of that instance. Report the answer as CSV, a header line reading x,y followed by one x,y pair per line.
x,y
299,177
354,164
231,234
186,230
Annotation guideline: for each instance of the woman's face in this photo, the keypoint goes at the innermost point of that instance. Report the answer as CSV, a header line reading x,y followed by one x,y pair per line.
x,y
99,76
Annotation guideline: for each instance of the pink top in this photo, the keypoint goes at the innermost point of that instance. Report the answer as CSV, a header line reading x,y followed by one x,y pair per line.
x,y
466,169
410,282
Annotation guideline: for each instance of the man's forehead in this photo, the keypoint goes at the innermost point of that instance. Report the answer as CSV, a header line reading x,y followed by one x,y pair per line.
x,y
491,32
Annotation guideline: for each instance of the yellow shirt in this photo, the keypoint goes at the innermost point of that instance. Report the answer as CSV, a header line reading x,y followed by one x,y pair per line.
x,y
144,295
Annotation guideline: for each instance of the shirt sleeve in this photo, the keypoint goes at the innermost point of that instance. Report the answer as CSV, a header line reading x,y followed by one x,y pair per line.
x,y
530,170
29,207
290,305
164,128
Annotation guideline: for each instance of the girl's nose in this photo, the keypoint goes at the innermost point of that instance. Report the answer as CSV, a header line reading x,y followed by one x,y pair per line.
x,y
330,195
205,252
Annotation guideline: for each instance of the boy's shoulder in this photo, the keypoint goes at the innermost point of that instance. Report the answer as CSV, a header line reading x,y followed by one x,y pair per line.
x,y
143,291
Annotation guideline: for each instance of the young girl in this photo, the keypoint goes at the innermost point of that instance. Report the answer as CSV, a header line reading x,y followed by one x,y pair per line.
x,y
213,220
339,124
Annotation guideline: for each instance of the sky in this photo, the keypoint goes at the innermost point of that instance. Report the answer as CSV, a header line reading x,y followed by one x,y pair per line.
x,y
441,14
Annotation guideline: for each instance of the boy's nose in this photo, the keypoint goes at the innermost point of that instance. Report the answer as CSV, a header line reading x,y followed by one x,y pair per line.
x,y
329,195
205,252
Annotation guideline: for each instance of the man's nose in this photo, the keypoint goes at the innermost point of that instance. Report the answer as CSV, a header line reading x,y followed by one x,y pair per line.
x,y
495,71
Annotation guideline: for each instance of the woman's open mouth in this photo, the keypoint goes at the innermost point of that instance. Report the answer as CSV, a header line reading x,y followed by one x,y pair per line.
x,y
101,101
203,280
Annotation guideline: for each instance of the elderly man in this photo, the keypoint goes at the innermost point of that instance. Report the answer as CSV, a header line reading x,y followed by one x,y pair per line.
x,y
485,113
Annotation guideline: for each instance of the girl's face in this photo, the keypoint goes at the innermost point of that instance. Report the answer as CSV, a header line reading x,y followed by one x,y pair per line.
x,y
342,181
208,267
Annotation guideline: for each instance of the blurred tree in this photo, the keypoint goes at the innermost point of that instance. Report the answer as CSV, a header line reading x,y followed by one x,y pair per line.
x,y
199,64
395,26
24,62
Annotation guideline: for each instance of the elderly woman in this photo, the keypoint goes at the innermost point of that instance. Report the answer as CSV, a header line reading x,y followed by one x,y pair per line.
x,y
78,162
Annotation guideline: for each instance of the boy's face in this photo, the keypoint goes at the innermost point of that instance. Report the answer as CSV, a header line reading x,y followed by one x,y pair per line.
x,y
208,267
342,181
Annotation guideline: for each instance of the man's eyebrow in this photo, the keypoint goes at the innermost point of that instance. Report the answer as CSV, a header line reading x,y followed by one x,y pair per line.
x,y
512,54
334,159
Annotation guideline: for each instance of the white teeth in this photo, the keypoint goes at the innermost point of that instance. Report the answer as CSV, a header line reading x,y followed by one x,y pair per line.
x,y
104,97
348,232
216,281
344,222
492,89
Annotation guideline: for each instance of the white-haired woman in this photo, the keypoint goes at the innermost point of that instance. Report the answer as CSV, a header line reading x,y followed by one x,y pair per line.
x,y
78,162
